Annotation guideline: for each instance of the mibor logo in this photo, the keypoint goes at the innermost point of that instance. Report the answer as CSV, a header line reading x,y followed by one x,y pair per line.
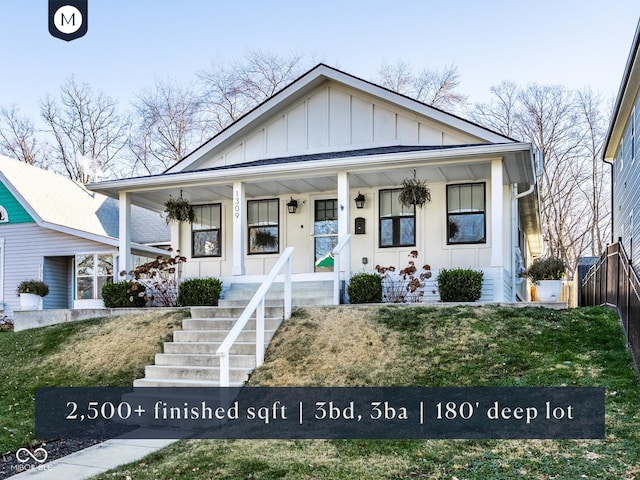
x,y
68,18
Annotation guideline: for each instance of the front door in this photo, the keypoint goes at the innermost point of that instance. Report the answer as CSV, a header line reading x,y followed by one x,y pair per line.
x,y
325,233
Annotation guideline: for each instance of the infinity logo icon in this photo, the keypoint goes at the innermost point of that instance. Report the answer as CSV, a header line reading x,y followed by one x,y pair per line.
x,y
39,455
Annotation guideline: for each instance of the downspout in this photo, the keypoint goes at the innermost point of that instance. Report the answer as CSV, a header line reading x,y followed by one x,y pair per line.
x,y
610,163
514,231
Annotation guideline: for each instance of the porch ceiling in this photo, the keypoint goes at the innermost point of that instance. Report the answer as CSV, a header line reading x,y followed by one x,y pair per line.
x,y
457,165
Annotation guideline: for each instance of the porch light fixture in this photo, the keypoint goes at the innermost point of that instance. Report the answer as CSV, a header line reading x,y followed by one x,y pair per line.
x,y
292,205
359,200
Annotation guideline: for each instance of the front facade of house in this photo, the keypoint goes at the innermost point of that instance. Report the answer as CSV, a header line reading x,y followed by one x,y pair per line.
x,y
622,151
53,229
320,164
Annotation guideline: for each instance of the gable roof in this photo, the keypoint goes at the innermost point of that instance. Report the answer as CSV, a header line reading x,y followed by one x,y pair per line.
x,y
625,100
315,77
58,203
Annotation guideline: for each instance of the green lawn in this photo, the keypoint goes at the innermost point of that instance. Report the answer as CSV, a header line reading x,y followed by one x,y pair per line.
x,y
361,346
463,346
89,353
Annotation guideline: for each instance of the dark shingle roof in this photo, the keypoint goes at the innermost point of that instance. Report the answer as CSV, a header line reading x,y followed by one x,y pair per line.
x,y
330,156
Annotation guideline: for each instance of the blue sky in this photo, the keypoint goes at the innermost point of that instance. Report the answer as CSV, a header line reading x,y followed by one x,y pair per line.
x,y
129,43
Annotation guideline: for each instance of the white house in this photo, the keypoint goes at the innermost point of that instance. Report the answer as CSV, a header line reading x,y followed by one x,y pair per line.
x,y
320,143
54,229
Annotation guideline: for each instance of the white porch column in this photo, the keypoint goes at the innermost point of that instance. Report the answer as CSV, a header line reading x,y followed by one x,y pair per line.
x,y
124,232
239,230
497,228
344,204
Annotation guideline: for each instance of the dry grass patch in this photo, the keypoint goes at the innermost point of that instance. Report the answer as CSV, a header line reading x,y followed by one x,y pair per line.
x,y
115,343
333,346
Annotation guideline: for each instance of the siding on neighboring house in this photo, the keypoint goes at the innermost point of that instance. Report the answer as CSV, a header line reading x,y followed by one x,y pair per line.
x,y
16,212
626,186
58,274
25,249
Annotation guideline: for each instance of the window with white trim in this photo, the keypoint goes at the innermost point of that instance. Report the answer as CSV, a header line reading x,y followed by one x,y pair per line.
x,y
397,221
263,218
466,215
93,270
4,216
206,231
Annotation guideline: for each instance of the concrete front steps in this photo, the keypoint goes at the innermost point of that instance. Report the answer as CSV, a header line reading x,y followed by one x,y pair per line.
x,y
190,360
303,293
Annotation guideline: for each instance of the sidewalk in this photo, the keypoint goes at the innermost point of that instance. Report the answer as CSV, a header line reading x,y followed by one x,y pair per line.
x,y
94,460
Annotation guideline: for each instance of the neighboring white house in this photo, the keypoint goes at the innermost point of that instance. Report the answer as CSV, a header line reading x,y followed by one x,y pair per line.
x,y
54,229
324,140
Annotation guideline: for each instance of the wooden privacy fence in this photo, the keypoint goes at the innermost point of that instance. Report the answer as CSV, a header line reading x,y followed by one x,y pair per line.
x,y
613,282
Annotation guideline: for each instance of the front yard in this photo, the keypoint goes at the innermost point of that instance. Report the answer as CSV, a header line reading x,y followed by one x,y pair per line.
x,y
362,346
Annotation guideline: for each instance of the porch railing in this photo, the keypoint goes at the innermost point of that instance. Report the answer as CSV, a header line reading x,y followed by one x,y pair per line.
x,y
257,305
613,282
344,241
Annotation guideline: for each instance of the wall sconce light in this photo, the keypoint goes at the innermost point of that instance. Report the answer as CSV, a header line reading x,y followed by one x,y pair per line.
x,y
292,205
360,200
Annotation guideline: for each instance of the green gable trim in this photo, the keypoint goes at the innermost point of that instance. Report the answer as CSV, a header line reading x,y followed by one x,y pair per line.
x,y
16,212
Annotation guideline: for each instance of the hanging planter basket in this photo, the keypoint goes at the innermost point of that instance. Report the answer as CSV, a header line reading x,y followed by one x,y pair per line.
x,y
414,192
179,210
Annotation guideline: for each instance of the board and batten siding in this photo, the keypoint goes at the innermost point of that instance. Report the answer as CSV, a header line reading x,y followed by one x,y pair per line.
x,y
626,186
335,117
25,248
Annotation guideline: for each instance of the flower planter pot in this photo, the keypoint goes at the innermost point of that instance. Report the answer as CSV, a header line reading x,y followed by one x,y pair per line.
x,y
29,301
548,290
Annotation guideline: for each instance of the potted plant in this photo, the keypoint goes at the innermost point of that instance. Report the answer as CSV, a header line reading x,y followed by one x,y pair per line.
x,y
547,274
414,192
31,293
179,210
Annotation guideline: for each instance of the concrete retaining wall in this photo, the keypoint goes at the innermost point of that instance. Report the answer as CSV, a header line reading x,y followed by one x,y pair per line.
x,y
24,320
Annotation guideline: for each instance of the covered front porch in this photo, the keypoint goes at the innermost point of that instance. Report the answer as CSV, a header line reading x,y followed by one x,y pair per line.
x,y
248,213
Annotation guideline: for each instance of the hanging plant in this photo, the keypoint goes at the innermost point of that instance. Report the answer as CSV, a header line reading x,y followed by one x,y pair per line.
x,y
414,192
179,210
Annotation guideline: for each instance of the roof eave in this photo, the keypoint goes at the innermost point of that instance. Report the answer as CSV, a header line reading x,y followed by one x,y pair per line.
x,y
624,100
383,161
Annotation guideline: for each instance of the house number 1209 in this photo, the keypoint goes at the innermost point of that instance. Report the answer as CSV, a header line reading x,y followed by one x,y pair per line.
x,y
236,205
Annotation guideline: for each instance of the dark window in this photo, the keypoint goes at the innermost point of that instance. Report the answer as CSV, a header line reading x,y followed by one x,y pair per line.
x,y
263,221
206,231
397,222
326,210
466,216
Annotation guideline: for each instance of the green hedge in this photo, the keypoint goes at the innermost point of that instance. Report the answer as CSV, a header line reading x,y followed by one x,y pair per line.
x,y
199,292
365,288
124,294
460,285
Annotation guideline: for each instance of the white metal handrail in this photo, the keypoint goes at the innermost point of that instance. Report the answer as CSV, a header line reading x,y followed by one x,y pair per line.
x,y
257,305
342,243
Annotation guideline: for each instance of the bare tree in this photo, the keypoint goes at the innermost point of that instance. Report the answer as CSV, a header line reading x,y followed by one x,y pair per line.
x,y
168,125
567,127
596,187
231,90
88,131
501,113
18,137
437,88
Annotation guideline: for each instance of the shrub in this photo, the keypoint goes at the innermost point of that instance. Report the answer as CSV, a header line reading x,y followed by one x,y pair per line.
x,y
123,294
35,287
406,285
460,285
199,292
160,279
550,268
365,288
